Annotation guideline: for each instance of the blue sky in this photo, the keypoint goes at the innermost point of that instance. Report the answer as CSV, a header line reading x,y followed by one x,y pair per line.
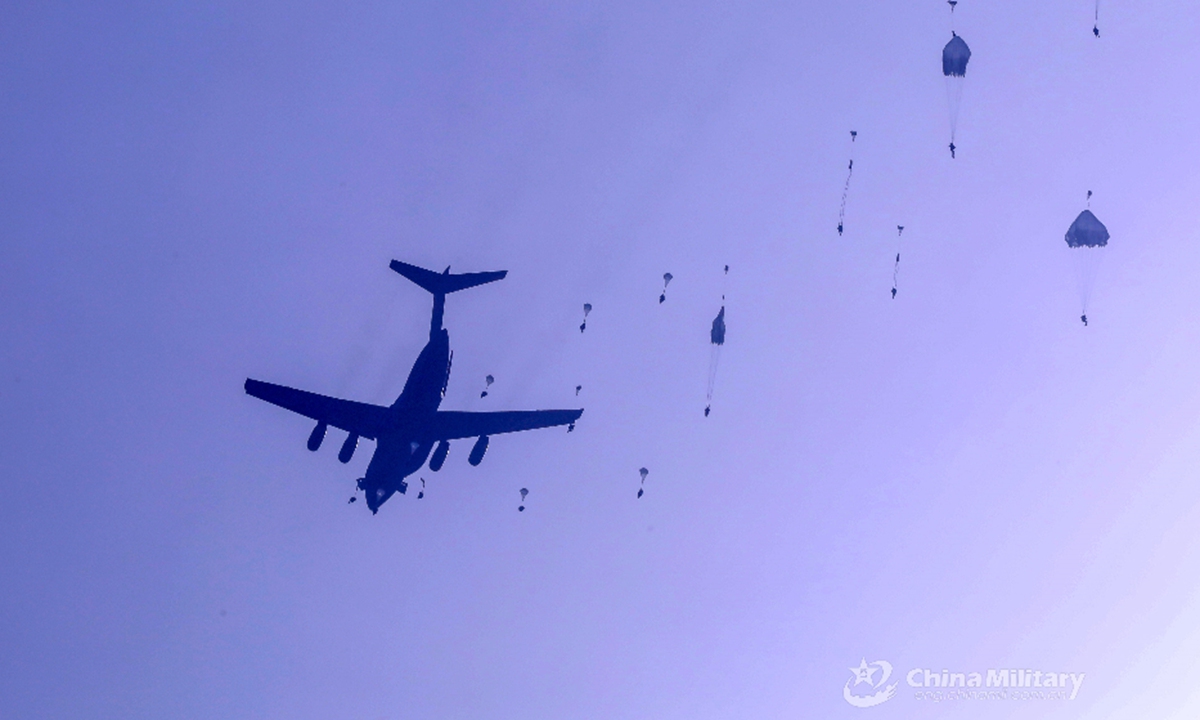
x,y
961,478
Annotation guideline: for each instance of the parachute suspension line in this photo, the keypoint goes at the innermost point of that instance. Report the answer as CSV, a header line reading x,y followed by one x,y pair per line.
x,y
954,91
896,267
1086,268
846,188
714,360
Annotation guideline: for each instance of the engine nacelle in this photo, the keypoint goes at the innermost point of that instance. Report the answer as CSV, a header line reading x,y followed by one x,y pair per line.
x,y
439,456
318,435
477,452
348,448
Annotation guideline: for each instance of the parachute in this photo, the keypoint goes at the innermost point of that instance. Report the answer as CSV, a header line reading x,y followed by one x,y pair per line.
x,y
524,492
955,56
587,308
896,267
667,278
644,472
717,336
846,188
1086,238
489,380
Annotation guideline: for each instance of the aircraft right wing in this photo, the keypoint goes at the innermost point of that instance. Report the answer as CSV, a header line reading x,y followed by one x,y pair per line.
x,y
358,418
452,425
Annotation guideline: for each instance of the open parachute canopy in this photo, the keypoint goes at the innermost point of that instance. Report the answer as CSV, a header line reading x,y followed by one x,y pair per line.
x,y
954,57
1087,231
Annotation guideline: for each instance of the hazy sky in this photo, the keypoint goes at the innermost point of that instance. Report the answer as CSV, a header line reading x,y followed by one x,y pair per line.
x,y
962,478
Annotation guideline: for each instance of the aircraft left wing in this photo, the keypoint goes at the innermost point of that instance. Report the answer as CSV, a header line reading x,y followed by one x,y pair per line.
x,y
452,425
354,417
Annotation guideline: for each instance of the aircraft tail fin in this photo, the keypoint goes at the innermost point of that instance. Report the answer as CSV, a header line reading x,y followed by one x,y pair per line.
x,y
445,283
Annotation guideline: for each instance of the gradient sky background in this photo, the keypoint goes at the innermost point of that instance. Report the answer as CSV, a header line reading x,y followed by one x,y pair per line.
x,y
962,478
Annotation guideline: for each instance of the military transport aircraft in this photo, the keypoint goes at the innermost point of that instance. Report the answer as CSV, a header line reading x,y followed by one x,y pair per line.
x,y
405,433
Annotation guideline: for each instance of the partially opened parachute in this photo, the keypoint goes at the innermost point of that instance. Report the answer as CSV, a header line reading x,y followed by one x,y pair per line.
x,y
955,56
846,188
717,336
718,328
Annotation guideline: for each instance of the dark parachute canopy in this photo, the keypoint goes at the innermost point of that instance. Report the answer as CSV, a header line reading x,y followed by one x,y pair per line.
x,y
955,56
1087,231
718,328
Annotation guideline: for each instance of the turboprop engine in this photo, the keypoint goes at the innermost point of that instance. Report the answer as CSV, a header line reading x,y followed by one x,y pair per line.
x,y
477,452
318,435
439,456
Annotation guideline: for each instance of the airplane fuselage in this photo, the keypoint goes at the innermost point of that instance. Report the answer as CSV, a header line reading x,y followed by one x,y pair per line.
x,y
402,448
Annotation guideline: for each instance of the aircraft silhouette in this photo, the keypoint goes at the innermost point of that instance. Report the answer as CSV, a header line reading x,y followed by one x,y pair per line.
x,y
406,432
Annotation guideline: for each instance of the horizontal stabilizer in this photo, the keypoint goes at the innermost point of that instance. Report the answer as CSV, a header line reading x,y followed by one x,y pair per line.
x,y
445,283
